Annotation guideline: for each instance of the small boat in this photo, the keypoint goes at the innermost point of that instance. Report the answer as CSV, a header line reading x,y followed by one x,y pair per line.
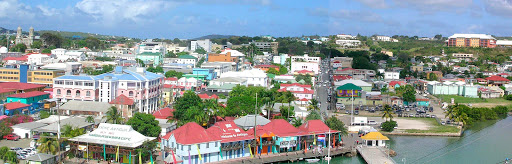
x,y
312,160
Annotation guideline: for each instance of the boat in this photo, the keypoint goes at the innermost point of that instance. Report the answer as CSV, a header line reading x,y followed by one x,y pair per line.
x,y
312,160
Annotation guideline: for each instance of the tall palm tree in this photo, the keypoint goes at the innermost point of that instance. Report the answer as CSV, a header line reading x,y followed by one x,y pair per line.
x,y
387,112
114,116
89,119
313,105
48,145
201,119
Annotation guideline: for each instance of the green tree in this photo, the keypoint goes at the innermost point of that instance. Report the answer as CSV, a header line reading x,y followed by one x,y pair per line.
x,y
201,61
114,116
145,124
46,51
70,132
170,54
187,107
287,111
389,126
387,112
335,124
51,39
36,44
48,145
44,114
200,50
10,156
173,73
313,105
19,48
407,92
432,77
89,119
140,62
313,115
273,71
297,122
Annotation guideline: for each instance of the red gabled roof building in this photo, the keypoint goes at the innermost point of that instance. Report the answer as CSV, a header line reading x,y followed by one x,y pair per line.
x,y
229,132
21,87
300,91
497,80
164,113
190,134
205,96
315,127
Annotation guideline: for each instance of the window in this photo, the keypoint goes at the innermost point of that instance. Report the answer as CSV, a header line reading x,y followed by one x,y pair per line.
x,y
88,93
207,145
58,91
130,93
77,94
189,147
216,144
68,93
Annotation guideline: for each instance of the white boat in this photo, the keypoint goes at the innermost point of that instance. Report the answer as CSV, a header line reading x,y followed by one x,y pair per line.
x,y
312,160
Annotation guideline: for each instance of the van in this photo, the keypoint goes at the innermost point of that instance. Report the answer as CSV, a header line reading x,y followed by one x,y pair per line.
x,y
372,122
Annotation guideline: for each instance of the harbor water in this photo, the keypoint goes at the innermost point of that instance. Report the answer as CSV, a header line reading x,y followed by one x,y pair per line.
x,y
484,142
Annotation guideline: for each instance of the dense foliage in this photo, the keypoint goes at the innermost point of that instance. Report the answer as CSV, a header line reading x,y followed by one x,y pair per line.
x,y
145,124
336,124
407,92
469,115
314,115
173,73
389,126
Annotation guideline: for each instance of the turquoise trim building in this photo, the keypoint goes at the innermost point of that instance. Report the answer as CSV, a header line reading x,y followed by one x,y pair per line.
x,y
148,57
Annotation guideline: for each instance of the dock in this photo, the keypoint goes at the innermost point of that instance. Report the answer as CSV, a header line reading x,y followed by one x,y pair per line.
x,y
374,155
289,156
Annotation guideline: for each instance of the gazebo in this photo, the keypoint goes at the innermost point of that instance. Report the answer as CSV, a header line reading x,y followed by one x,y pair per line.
x,y
374,139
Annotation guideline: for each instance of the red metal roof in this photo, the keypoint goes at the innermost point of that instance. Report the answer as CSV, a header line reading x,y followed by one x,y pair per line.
x,y
22,58
171,79
503,74
393,83
422,99
496,78
15,105
296,84
282,128
266,66
122,100
19,86
341,77
29,94
304,99
228,131
205,96
304,71
191,133
3,90
316,127
172,86
347,69
164,113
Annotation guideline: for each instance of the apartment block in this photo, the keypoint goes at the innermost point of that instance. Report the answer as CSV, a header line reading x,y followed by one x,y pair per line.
x,y
471,40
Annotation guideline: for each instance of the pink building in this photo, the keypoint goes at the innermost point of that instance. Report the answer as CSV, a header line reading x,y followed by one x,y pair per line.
x,y
138,84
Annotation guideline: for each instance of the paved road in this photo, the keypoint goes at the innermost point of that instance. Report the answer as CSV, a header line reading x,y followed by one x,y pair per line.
x,y
322,89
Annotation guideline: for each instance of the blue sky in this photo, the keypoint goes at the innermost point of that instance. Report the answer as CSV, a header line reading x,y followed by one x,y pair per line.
x,y
193,18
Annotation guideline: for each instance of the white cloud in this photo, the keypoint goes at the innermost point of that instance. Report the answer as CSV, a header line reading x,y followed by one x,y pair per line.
x,y
47,11
499,7
15,10
378,4
432,6
112,12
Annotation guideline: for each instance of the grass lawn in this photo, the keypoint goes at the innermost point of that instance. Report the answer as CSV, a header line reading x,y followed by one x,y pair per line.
x,y
461,99
436,127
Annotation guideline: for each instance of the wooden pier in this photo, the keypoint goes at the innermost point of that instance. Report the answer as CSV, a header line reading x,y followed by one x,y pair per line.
x,y
374,155
290,156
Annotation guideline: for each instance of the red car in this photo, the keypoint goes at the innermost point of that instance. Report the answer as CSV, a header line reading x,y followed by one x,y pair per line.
x,y
12,137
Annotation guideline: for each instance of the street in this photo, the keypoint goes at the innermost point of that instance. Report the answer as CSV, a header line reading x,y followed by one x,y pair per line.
x,y
321,87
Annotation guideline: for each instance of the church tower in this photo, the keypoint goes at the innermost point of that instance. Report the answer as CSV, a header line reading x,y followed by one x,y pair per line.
x,y
18,36
31,33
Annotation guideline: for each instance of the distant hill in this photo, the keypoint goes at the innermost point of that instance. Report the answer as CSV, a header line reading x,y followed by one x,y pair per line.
x,y
67,34
214,36
3,31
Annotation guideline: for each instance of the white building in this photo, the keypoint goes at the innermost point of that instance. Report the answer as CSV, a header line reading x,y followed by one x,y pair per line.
x,y
254,77
300,91
281,59
345,36
348,43
391,75
309,66
37,59
59,51
205,44
189,83
306,58
171,81
229,80
234,53
175,48
218,67
383,38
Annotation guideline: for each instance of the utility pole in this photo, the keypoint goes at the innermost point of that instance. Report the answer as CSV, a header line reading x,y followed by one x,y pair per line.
x,y
255,113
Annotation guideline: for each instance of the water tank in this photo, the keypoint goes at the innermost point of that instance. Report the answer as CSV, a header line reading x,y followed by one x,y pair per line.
x,y
3,49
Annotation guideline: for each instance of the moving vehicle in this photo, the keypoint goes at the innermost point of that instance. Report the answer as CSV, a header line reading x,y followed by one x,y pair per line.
x,y
12,136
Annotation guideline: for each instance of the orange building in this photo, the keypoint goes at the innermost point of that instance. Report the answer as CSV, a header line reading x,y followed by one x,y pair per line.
x,y
266,67
471,40
222,58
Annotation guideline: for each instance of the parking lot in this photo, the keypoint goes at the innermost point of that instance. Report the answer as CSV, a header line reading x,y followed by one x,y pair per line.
x,y
21,144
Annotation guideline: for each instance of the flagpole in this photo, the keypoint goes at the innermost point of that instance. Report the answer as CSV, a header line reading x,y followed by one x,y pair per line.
x,y
352,113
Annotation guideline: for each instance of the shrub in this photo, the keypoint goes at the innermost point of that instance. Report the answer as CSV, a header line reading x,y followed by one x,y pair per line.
x,y
389,126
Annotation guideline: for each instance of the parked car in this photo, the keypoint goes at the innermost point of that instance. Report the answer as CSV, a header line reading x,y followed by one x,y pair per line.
x,y
356,112
433,116
12,136
372,122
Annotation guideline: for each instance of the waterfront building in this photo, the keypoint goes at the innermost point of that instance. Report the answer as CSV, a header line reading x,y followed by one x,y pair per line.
x,y
138,84
109,140
247,122
374,139
234,141
191,143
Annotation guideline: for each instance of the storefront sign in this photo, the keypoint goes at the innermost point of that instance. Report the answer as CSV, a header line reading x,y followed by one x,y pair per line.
x,y
82,147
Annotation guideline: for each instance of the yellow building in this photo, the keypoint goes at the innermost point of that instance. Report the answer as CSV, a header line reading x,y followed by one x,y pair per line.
x,y
9,75
460,42
44,76
474,42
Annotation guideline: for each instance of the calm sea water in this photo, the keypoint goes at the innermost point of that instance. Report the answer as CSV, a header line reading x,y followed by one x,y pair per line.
x,y
485,142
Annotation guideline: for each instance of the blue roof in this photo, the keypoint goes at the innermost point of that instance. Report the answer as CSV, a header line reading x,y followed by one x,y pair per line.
x,y
126,74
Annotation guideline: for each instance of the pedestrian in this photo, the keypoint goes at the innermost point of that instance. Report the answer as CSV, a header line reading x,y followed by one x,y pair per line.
x,y
351,134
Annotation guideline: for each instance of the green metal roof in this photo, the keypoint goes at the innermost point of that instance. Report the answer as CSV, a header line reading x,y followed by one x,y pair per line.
x,y
349,86
225,86
186,57
271,75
